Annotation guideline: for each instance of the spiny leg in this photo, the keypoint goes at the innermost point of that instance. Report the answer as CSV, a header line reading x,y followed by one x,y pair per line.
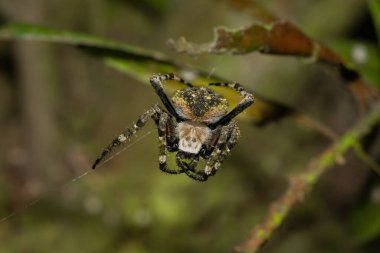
x,y
194,163
171,136
223,137
189,168
157,83
225,150
154,112
196,175
163,161
163,138
169,76
207,150
202,175
194,159
227,140
243,104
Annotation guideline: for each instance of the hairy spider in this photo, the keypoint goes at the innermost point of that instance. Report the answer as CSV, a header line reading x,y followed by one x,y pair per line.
x,y
196,124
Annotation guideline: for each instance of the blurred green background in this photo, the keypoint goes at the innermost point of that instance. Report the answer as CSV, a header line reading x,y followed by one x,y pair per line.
x,y
59,107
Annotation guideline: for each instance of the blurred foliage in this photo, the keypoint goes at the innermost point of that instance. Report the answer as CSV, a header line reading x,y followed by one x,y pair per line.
x,y
362,56
365,222
128,205
374,7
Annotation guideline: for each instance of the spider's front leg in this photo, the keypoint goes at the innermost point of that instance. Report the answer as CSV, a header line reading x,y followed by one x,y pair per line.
x,y
247,100
157,83
187,166
166,138
227,140
222,150
154,112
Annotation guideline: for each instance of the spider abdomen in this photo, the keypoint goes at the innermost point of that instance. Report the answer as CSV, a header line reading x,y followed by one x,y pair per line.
x,y
200,104
192,135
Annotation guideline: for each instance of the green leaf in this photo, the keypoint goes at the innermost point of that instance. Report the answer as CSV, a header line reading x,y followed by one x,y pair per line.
x,y
362,56
42,33
374,6
365,222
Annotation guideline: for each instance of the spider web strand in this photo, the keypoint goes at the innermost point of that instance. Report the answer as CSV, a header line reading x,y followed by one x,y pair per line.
x,y
42,196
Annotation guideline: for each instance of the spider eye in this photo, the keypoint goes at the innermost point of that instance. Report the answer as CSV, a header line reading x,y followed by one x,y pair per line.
x,y
200,104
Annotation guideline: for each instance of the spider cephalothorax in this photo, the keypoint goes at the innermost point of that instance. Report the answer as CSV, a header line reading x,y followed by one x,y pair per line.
x,y
196,125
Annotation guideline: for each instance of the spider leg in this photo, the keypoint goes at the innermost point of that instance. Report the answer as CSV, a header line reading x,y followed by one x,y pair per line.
x,y
154,112
179,160
157,83
184,165
225,150
243,104
227,140
207,153
223,137
163,135
194,163
189,168
196,175
207,150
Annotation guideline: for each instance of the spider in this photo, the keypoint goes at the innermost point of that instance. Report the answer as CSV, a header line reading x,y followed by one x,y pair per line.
x,y
196,125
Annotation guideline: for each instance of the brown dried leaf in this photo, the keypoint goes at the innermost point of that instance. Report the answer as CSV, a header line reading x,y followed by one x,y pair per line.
x,y
280,38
